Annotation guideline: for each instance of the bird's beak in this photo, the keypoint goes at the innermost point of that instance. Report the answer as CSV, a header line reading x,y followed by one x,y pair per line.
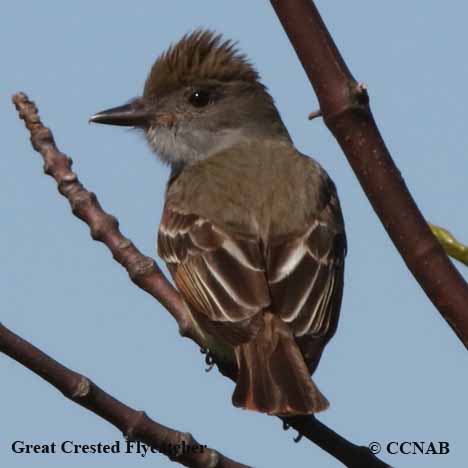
x,y
133,114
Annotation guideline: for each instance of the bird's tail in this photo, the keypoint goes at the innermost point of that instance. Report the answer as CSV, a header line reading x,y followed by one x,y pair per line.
x,y
273,377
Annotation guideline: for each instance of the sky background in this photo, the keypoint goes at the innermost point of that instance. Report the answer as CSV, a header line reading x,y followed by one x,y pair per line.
x,y
394,371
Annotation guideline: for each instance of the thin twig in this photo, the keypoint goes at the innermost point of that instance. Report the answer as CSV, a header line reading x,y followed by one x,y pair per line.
x,y
313,115
451,245
345,108
135,425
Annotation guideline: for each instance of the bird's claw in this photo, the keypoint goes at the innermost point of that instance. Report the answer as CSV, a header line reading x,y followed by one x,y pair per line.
x,y
209,360
298,438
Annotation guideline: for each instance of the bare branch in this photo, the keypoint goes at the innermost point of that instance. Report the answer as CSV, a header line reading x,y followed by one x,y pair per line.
x,y
135,425
351,455
345,109
104,227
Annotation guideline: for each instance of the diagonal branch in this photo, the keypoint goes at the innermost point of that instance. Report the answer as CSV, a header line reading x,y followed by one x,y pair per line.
x,y
135,425
345,108
144,272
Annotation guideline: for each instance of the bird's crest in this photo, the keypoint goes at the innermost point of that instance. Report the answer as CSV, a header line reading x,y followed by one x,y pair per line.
x,y
201,55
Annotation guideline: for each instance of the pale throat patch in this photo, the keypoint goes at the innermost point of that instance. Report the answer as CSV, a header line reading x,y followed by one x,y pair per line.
x,y
175,145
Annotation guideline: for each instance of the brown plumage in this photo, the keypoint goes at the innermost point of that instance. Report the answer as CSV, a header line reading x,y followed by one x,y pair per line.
x,y
199,56
260,269
252,231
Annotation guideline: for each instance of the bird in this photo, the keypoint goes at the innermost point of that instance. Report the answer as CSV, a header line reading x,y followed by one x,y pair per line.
x,y
252,231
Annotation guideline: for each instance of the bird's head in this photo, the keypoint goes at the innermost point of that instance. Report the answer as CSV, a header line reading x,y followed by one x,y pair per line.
x,y
200,97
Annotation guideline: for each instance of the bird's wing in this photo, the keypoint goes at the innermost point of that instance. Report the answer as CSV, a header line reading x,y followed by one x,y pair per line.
x,y
305,273
221,276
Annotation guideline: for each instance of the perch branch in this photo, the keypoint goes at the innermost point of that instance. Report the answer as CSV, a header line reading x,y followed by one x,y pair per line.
x,y
145,273
345,109
135,425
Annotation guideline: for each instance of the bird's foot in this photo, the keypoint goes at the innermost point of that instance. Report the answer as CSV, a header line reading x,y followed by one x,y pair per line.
x,y
287,426
298,438
209,360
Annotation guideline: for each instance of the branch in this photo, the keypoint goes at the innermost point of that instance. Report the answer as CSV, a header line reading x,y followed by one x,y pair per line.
x,y
345,108
351,455
144,272
135,425
452,246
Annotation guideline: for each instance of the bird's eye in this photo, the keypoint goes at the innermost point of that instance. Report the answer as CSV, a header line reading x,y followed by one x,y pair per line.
x,y
199,98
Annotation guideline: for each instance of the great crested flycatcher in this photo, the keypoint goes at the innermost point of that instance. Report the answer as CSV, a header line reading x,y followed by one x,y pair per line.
x,y
252,230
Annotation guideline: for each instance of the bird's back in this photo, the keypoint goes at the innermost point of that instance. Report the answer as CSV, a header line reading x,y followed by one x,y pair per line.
x,y
265,190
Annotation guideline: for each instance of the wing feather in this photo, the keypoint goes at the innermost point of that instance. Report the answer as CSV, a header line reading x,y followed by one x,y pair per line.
x,y
219,275
227,278
306,272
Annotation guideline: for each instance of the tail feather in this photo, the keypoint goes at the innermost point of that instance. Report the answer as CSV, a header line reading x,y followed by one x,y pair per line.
x,y
273,377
